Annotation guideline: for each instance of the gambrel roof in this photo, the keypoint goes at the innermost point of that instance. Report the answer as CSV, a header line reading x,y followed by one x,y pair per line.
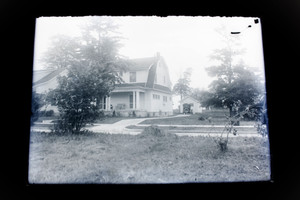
x,y
148,64
139,64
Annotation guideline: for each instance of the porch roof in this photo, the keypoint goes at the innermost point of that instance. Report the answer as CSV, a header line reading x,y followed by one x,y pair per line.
x,y
134,86
129,87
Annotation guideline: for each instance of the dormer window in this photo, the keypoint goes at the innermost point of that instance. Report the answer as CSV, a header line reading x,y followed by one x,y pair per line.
x,y
132,77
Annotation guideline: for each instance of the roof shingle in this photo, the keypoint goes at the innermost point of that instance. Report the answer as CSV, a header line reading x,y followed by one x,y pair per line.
x,y
49,76
141,63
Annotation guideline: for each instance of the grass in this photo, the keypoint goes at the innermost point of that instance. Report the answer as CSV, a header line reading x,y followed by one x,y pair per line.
x,y
217,117
144,158
174,129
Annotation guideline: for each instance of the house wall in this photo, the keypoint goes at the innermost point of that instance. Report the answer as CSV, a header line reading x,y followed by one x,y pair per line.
x,y
158,105
142,101
162,75
141,76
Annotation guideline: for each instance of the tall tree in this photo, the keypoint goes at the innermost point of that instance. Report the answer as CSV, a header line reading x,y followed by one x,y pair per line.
x,y
182,87
235,84
91,76
62,53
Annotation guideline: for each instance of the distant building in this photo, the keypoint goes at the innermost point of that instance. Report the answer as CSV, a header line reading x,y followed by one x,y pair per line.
x,y
146,90
190,105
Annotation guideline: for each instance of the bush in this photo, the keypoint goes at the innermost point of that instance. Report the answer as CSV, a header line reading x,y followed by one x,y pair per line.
x,y
156,132
153,131
36,104
201,118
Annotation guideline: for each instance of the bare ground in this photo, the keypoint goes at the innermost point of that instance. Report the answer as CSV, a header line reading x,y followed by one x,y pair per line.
x,y
107,158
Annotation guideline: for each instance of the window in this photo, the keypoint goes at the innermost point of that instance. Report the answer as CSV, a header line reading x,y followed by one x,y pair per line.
x,y
165,99
102,103
156,96
155,79
164,79
132,77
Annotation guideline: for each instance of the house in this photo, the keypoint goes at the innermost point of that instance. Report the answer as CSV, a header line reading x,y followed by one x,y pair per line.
x,y
146,90
190,105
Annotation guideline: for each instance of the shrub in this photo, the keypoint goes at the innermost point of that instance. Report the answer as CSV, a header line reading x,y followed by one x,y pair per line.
x,y
36,104
153,131
156,132
232,121
201,118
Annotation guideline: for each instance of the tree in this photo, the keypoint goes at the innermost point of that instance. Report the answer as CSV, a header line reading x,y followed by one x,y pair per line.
x,y
235,84
182,87
203,96
61,53
92,74
239,87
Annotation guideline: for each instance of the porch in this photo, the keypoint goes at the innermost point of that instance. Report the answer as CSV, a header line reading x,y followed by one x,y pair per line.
x,y
127,103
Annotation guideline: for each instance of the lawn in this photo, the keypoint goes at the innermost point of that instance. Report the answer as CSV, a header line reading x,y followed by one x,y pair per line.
x,y
144,158
176,129
216,117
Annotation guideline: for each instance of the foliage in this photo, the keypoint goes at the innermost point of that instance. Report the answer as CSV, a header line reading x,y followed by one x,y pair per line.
x,y
61,53
92,75
36,104
182,87
232,121
153,131
204,97
234,83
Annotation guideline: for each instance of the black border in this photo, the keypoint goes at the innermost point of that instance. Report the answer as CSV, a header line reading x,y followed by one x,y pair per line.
x,y
280,28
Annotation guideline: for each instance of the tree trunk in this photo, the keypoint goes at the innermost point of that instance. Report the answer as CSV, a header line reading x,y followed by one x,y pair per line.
x,y
230,111
232,114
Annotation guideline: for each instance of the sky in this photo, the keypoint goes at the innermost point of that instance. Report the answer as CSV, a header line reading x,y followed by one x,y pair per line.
x,y
184,42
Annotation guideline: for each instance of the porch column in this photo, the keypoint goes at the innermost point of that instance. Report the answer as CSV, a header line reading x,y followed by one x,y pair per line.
x,y
137,100
107,103
108,106
133,100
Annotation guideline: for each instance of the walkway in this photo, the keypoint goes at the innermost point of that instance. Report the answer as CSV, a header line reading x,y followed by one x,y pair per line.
x,y
204,130
120,126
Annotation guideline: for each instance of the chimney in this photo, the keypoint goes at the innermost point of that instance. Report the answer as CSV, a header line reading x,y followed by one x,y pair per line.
x,y
158,55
